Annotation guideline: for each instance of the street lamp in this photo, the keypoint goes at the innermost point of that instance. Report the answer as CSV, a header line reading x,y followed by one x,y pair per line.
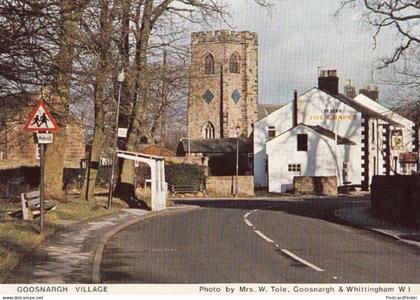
x,y
120,79
238,129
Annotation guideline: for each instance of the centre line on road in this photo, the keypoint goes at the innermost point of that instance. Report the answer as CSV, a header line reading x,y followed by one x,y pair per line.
x,y
285,251
263,236
301,260
248,223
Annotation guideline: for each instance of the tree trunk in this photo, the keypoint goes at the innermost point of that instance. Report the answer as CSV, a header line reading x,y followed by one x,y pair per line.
x,y
125,187
92,167
59,104
88,190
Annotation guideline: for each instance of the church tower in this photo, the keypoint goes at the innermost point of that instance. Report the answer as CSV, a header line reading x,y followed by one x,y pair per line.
x,y
223,89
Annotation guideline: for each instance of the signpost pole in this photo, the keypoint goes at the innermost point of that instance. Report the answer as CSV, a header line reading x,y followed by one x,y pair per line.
x,y
41,187
42,123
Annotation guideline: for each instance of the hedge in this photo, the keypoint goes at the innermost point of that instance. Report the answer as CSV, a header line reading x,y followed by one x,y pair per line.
x,y
184,174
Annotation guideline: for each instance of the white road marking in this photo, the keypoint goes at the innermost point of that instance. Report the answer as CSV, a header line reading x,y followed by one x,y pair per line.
x,y
248,223
285,251
263,236
301,260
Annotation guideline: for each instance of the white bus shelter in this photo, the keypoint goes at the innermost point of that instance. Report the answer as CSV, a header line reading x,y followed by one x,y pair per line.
x,y
157,167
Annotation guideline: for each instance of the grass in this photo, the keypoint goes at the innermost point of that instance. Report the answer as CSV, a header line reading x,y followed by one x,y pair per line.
x,y
18,237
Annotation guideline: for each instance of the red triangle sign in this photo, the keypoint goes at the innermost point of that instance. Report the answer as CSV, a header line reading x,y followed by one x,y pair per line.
x,y
41,119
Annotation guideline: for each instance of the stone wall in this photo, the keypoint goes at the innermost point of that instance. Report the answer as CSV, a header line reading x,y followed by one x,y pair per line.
x,y
311,185
19,149
222,84
222,186
76,146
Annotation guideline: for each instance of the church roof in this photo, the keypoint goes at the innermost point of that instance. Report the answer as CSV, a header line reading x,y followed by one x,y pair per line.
x,y
225,145
266,109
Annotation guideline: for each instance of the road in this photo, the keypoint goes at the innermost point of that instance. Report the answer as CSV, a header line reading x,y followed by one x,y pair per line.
x,y
257,242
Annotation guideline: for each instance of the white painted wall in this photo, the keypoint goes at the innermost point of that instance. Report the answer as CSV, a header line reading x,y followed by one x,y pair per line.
x,y
313,103
323,158
311,111
282,120
406,127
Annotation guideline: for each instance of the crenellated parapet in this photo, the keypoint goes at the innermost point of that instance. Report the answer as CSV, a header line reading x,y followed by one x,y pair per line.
x,y
223,36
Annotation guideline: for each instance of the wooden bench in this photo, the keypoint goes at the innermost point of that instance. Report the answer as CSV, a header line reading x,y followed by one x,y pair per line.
x,y
31,205
185,189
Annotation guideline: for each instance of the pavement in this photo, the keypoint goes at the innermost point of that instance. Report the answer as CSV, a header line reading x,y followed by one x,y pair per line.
x,y
363,217
68,256
74,254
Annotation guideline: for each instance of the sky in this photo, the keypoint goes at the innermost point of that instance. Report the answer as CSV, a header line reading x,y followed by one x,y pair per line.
x,y
298,36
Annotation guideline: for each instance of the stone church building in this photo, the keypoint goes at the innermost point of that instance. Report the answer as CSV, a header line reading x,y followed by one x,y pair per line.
x,y
222,100
223,95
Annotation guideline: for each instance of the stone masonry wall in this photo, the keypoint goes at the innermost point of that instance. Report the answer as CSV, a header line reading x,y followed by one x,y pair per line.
x,y
21,150
315,185
219,186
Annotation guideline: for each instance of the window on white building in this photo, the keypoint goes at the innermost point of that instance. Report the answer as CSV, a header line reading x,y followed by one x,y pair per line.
x,y
294,168
395,164
374,166
271,131
302,142
373,132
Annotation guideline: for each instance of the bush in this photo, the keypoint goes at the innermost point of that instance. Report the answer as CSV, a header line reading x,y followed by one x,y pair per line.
x,y
184,174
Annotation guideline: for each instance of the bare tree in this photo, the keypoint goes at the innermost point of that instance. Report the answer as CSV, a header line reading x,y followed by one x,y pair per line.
x,y
399,16
400,69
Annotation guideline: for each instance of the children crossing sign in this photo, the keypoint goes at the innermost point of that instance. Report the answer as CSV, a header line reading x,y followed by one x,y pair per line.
x,y
41,119
42,124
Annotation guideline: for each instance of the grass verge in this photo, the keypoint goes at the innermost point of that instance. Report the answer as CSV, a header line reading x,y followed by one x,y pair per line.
x,y
18,237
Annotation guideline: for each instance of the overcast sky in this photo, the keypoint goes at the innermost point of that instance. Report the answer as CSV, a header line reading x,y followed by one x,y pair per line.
x,y
301,35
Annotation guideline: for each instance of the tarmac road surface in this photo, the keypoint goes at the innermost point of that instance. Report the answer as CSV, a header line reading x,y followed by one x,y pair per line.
x,y
257,242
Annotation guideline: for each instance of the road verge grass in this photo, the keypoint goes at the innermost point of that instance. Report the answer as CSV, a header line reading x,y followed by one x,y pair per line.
x,y
18,237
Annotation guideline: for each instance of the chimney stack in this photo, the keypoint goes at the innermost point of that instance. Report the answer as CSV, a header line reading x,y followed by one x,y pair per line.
x,y
370,91
328,81
349,90
295,108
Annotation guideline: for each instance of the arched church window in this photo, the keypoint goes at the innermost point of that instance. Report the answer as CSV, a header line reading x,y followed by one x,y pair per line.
x,y
234,63
208,131
209,64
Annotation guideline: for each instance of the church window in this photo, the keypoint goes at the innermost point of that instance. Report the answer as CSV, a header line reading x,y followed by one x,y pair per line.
x,y
234,63
208,131
209,64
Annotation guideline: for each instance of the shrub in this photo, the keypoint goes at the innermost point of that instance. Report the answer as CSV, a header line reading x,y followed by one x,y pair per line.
x,y
184,174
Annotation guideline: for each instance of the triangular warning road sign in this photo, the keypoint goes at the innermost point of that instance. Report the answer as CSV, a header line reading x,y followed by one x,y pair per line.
x,y
41,119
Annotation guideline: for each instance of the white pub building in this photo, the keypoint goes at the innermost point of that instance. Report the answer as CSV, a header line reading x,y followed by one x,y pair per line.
x,y
324,133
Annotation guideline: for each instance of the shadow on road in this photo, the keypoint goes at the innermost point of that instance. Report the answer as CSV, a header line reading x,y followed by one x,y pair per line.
x,y
311,208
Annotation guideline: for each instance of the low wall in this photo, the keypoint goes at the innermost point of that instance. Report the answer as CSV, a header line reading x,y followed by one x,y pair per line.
x,y
315,185
219,186
397,198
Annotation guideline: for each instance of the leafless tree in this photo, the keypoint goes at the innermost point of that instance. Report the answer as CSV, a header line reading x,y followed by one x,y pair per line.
x,y
400,69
